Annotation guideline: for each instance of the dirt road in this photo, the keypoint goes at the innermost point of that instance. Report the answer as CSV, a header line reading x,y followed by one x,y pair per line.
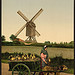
x,y
5,68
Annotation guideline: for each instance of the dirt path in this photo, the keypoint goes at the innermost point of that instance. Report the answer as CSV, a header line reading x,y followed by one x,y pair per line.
x,y
5,68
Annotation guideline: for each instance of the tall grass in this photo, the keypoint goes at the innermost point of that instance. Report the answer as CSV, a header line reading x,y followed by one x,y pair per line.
x,y
53,52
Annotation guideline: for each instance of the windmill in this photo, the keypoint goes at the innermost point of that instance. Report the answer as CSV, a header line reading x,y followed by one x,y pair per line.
x,y
31,31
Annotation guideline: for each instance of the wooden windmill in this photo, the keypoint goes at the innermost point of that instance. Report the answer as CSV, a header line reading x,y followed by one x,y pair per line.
x,y
31,31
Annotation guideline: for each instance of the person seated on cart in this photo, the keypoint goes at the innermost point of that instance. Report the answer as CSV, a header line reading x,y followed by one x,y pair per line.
x,y
44,57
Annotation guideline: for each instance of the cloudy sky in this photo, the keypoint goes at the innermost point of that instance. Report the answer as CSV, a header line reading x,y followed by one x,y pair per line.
x,y
55,23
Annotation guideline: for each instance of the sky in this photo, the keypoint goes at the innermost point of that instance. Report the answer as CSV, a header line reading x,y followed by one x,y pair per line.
x,y
55,23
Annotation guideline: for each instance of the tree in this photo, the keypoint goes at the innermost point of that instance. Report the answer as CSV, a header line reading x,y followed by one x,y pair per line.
x,y
54,43
47,42
61,42
72,42
3,38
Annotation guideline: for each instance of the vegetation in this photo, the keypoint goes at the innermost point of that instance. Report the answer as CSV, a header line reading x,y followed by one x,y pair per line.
x,y
60,45
56,61
50,44
3,38
14,43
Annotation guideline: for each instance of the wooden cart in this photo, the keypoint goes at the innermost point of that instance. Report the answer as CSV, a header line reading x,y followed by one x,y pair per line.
x,y
25,67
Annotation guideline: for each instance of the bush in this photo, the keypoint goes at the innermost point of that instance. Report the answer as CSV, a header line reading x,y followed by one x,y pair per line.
x,y
57,61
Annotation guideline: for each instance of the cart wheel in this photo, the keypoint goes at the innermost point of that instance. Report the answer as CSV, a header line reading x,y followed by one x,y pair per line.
x,y
20,69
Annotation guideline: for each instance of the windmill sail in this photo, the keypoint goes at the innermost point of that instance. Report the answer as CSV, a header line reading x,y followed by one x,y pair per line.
x,y
19,31
22,15
37,14
37,33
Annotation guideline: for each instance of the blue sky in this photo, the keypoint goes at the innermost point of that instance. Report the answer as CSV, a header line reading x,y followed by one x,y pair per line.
x,y
55,23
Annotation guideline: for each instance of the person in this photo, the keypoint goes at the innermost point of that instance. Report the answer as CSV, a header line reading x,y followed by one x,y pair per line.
x,y
44,57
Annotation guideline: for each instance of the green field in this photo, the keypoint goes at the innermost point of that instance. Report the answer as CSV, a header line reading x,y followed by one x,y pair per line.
x,y
53,52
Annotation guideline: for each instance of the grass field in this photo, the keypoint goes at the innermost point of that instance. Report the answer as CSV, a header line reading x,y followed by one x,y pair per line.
x,y
53,52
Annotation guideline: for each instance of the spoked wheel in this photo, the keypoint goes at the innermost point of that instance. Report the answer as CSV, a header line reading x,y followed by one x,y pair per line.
x,y
20,69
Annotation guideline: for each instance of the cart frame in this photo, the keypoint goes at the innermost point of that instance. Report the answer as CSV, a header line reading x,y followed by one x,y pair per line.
x,y
23,65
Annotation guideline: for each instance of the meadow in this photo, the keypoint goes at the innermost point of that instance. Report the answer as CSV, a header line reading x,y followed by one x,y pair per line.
x,y
67,53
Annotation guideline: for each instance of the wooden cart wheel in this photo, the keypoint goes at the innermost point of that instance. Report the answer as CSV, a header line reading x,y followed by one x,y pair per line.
x,y
20,69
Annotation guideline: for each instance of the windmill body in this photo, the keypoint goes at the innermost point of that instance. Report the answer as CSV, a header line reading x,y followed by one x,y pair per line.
x,y
31,31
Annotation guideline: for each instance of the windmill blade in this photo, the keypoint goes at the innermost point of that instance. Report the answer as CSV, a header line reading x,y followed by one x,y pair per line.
x,y
19,31
37,14
22,15
37,33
